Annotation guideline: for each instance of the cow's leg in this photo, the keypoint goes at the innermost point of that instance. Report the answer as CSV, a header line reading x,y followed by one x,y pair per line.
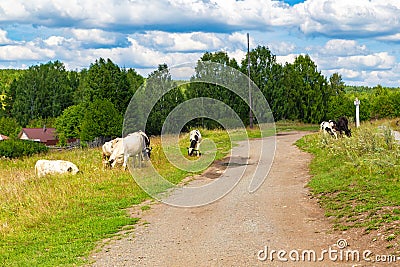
x,y
126,157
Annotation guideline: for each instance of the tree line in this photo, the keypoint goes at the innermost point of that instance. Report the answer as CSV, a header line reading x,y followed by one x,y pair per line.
x,y
92,102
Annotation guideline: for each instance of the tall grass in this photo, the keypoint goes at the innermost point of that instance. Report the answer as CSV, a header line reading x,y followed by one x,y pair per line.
x,y
55,220
357,179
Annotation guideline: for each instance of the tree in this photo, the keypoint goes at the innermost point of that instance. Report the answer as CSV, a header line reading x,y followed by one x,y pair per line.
x,y
69,123
9,127
42,92
338,104
262,63
105,80
157,83
313,91
101,119
199,88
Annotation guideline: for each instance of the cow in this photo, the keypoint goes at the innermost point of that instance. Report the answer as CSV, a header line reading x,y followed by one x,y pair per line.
x,y
44,167
108,148
147,142
135,145
329,127
117,155
130,146
195,140
342,125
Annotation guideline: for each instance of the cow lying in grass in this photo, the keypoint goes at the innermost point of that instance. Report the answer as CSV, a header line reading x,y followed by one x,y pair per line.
x,y
44,167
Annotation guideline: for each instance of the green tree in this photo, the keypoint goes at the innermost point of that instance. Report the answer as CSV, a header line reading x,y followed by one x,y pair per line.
x,y
262,70
313,92
43,91
68,124
101,119
9,127
339,103
204,72
105,80
157,83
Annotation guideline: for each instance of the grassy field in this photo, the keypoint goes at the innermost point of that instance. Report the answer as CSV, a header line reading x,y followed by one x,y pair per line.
x,y
357,179
58,220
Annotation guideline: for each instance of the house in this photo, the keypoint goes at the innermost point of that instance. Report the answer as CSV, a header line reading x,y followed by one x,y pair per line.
x,y
43,135
3,137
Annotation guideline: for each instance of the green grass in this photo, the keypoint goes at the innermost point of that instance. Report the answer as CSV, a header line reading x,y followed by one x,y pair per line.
x,y
58,220
357,179
55,220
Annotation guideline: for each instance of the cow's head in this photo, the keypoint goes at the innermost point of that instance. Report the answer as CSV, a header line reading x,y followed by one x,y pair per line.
x,y
147,152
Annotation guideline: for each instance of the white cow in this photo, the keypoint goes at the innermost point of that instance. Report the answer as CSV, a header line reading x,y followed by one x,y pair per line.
x,y
117,155
195,140
108,149
134,144
44,167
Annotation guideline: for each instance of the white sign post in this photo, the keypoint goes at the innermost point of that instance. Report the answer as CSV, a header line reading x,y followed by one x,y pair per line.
x,y
357,104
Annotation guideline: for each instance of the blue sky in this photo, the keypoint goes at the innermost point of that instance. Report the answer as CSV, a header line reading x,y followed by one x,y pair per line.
x,y
358,39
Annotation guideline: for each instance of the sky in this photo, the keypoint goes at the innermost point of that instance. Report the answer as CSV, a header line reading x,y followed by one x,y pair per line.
x,y
359,39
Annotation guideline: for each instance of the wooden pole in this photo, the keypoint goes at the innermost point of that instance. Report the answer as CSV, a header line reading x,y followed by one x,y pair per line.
x,y
248,73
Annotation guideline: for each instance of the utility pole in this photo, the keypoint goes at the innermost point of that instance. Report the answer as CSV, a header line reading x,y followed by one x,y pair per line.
x,y
248,73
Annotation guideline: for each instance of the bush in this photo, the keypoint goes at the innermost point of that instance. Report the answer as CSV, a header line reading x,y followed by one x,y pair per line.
x,y
19,148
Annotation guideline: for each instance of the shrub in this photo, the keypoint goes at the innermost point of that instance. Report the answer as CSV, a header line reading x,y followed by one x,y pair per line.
x,y
19,148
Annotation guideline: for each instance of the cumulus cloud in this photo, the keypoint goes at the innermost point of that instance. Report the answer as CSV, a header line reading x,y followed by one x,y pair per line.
x,y
143,34
343,18
340,47
3,38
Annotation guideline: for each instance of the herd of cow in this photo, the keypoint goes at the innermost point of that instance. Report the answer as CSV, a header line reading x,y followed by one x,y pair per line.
x,y
117,152
334,127
137,146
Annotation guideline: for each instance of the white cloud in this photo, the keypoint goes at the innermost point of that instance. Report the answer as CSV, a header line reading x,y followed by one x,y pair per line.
x,y
376,61
340,47
356,17
93,36
143,34
3,38
27,51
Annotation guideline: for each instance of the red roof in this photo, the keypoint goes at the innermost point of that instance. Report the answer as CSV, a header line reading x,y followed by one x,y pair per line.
x,y
44,135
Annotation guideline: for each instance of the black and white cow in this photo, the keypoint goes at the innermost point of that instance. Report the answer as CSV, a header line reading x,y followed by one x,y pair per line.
x,y
342,125
329,127
195,140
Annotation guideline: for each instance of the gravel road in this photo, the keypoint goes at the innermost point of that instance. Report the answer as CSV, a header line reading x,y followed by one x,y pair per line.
x,y
237,229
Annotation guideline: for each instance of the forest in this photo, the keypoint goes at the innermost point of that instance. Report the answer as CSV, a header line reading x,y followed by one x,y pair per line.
x,y
91,103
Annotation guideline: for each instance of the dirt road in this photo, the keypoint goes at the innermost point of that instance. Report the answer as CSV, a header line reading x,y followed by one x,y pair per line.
x,y
240,229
